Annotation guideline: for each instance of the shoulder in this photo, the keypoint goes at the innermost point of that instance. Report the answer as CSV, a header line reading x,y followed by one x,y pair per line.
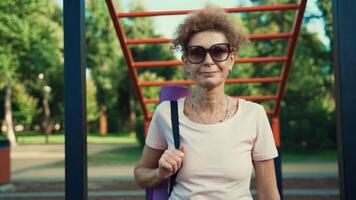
x,y
250,107
163,110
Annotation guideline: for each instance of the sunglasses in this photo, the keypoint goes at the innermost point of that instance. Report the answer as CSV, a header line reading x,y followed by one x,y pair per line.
x,y
220,52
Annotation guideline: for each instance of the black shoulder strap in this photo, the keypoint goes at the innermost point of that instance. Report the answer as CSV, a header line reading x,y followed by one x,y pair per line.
x,y
175,123
176,137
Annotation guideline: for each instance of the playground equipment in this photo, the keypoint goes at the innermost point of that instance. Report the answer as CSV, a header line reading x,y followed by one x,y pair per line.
x,y
281,80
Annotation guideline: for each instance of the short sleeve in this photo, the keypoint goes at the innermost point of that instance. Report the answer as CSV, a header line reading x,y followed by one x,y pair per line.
x,y
155,137
264,147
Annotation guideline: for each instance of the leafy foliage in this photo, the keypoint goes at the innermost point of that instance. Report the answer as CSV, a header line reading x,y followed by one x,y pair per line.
x,y
31,44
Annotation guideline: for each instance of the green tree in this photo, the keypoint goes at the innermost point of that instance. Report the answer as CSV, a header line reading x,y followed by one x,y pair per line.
x,y
29,45
24,106
92,107
103,60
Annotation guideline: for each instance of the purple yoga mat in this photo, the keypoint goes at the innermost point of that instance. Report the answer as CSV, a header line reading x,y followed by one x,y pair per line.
x,y
173,92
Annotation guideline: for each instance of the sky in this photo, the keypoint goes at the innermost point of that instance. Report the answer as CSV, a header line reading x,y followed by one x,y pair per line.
x,y
166,24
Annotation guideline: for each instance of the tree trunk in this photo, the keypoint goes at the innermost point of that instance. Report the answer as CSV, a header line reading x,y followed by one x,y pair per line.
x,y
47,115
103,120
8,116
132,117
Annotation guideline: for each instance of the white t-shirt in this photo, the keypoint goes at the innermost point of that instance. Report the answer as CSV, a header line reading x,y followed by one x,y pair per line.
x,y
218,157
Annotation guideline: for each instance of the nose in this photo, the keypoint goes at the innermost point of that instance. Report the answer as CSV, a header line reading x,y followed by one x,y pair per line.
x,y
208,60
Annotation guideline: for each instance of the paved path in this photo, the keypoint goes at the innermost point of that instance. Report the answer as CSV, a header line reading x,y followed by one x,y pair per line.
x,y
34,162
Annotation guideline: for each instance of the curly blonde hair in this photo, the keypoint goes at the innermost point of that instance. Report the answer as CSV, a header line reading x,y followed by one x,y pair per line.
x,y
208,19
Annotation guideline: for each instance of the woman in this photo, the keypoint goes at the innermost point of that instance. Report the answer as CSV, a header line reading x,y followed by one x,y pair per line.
x,y
222,138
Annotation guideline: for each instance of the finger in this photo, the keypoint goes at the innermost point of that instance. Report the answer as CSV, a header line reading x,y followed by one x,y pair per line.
x,y
179,153
167,166
179,165
171,161
174,155
182,148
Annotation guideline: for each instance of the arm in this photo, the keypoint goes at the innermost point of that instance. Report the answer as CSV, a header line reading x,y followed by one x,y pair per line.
x,y
146,170
156,165
266,183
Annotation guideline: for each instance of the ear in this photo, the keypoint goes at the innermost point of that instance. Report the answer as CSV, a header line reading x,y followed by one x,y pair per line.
x,y
232,61
232,58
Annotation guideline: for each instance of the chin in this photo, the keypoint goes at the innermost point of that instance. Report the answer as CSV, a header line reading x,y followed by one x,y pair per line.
x,y
209,84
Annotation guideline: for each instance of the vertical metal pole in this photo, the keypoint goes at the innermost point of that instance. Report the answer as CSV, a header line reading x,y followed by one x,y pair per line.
x,y
75,100
344,22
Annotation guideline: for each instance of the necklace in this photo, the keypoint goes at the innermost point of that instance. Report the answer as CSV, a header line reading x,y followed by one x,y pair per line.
x,y
227,108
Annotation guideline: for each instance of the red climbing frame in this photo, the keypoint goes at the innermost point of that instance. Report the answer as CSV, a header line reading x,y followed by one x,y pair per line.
x,y
280,80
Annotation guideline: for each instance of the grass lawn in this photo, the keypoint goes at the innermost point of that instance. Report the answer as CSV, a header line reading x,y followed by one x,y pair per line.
x,y
93,138
2,137
122,155
119,156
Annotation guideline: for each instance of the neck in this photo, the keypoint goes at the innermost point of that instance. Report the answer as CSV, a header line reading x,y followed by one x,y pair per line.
x,y
210,100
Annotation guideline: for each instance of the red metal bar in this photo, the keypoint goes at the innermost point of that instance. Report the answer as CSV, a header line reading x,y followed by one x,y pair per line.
x,y
287,64
157,63
266,36
151,101
250,98
147,123
178,62
168,40
127,54
260,60
228,81
148,41
230,10
276,131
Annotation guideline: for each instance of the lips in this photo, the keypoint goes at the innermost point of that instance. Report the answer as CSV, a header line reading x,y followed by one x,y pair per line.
x,y
208,72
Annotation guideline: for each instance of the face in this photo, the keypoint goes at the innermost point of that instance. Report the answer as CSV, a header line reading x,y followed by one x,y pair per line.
x,y
208,58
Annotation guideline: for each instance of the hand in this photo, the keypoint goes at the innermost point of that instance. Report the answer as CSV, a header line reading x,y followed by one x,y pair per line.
x,y
170,162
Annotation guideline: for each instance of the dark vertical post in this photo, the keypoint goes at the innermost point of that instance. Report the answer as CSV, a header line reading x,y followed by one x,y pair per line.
x,y
75,100
344,21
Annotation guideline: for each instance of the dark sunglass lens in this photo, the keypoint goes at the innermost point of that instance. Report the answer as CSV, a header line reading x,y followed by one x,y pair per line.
x,y
219,52
196,54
